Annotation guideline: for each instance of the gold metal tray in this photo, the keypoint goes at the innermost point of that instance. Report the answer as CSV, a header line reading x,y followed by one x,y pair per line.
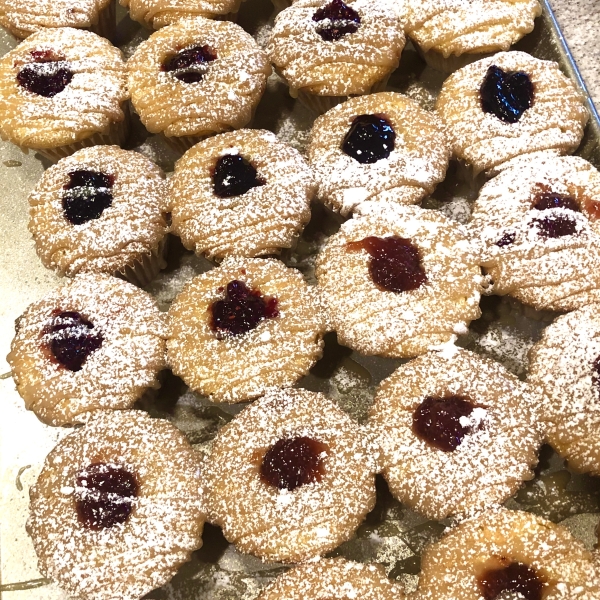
x,y
391,534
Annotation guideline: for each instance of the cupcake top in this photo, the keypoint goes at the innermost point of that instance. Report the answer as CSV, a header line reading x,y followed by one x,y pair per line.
x,y
197,77
102,209
469,26
159,13
60,86
22,19
510,104
334,48
243,193
97,343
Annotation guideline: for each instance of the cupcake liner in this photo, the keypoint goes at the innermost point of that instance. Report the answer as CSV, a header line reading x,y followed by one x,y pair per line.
x,y
146,268
183,143
448,65
107,21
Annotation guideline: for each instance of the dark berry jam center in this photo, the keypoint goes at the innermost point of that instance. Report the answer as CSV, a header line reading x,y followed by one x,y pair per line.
x,y
596,375
234,176
71,339
506,240
369,139
104,495
87,195
241,310
555,225
548,200
293,462
515,577
443,422
395,264
47,75
335,20
190,65
506,94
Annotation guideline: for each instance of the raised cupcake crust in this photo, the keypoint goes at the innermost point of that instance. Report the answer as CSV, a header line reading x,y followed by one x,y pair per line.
x,y
129,559
113,376
260,221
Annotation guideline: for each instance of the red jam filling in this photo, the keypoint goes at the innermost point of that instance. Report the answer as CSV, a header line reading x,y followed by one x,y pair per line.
x,y
290,463
395,264
190,65
335,20
516,577
437,421
369,139
47,75
234,176
506,94
86,196
241,310
104,495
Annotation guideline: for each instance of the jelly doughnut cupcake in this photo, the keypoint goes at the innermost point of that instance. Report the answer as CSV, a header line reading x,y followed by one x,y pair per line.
x,y
536,225
196,78
118,507
102,209
243,193
383,146
243,328
565,363
98,343
24,18
155,14
398,280
328,50
510,104
451,34
291,477
63,89
504,553
458,433
333,579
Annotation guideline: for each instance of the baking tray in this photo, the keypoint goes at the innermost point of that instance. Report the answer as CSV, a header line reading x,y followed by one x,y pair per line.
x,y
391,534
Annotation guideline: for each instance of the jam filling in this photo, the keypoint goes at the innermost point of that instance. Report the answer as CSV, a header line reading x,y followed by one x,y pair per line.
x,y
335,20
548,200
506,240
369,139
293,462
506,94
596,375
71,339
234,176
395,264
437,421
516,577
87,195
48,74
104,495
241,310
555,226
190,65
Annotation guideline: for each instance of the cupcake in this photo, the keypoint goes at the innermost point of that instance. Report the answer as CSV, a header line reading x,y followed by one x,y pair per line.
x,y
101,210
328,50
22,19
61,90
196,78
454,33
508,105
155,14
537,229
242,193
291,477
378,147
244,328
96,344
118,507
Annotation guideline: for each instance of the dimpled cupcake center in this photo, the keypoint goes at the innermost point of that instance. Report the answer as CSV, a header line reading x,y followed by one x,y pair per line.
x,y
87,195
48,74
241,310
71,339
234,176
369,139
443,422
506,94
291,463
335,20
515,577
190,65
555,226
395,264
104,495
